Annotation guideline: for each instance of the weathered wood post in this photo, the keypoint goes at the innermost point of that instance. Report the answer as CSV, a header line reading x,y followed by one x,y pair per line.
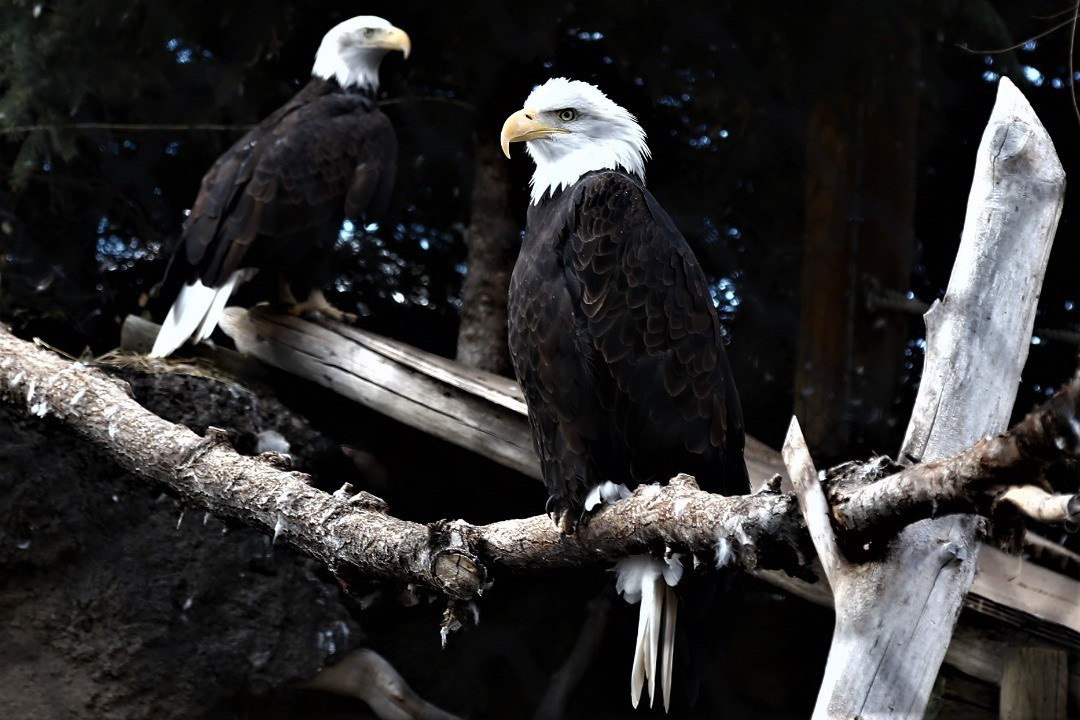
x,y
895,616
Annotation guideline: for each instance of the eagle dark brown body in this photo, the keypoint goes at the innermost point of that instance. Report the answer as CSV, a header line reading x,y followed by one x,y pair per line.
x,y
618,347
280,193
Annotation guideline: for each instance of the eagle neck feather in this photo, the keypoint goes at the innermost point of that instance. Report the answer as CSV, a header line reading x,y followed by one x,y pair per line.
x,y
552,176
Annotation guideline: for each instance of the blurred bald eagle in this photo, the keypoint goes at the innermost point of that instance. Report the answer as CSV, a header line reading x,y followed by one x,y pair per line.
x,y
615,339
278,196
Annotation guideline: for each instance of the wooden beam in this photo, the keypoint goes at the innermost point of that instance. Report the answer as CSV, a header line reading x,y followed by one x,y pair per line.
x,y
417,388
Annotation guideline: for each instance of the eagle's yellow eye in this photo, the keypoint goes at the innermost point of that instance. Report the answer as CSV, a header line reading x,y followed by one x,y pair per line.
x,y
567,115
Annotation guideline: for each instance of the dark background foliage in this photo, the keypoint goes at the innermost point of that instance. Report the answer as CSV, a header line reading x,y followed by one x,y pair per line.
x,y
111,111
723,90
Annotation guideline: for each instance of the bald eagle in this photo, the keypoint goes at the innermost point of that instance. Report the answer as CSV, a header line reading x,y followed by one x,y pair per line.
x,y
615,339
278,196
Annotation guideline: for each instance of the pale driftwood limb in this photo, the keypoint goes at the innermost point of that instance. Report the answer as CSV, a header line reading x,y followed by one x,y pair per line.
x,y
1035,684
812,503
895,618
569,675
815,510
1034,502
368,676
351,532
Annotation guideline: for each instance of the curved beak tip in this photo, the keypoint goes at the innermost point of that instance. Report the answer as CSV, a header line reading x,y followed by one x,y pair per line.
x,y
398,39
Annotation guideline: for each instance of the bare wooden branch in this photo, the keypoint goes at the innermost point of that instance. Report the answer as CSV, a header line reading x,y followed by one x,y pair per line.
x,y
1034,502
352,532
366,675
895,620
812,503
969,480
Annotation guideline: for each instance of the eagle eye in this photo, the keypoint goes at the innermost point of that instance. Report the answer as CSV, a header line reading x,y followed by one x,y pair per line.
x,y
567,115
369,32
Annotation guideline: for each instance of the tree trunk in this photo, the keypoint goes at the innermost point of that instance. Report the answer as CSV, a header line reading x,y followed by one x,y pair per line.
x,y
492,242
861,144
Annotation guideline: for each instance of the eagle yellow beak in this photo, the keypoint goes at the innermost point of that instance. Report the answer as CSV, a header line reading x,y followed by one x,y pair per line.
x,y
523,126
395,39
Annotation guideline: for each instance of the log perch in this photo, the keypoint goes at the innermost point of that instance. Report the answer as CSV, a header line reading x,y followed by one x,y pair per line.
x,y
352,532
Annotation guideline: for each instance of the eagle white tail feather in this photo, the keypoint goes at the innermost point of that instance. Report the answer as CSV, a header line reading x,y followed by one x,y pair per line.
x,y
671,607
648,580
217,307
195,313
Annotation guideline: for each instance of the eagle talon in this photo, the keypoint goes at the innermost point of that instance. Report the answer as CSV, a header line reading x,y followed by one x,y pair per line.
x,y
317,304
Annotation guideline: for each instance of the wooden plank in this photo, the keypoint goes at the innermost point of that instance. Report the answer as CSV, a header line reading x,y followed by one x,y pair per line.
x,y
1018,591
499,390
371,374
1035,684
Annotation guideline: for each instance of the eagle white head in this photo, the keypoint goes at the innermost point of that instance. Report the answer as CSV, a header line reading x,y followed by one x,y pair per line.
x,y
352,50
569,128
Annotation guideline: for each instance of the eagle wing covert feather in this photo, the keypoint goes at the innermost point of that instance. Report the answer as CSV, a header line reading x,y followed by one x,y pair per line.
x,y
622,350
285,182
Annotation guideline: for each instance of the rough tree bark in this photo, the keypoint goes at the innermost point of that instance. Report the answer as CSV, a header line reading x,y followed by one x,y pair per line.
x,y
491,243
894,617
352,532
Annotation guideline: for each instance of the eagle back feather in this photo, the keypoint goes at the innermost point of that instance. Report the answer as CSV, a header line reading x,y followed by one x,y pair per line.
x,y
284,187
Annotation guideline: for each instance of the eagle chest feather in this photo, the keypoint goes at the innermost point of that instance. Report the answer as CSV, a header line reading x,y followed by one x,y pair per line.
x,y
618,347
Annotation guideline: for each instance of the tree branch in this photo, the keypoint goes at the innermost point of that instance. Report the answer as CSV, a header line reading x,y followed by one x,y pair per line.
x,y
1003,467
368,676
351,532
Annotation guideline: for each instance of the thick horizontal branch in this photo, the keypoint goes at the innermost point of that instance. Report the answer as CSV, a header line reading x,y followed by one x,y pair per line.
x,y
353,533
1007,466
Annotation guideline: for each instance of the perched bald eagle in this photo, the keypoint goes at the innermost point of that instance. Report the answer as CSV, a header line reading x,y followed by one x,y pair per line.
x,y
615,339
278,196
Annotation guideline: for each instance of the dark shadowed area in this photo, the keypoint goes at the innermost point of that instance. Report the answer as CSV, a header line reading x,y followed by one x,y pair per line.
x,y
817,157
